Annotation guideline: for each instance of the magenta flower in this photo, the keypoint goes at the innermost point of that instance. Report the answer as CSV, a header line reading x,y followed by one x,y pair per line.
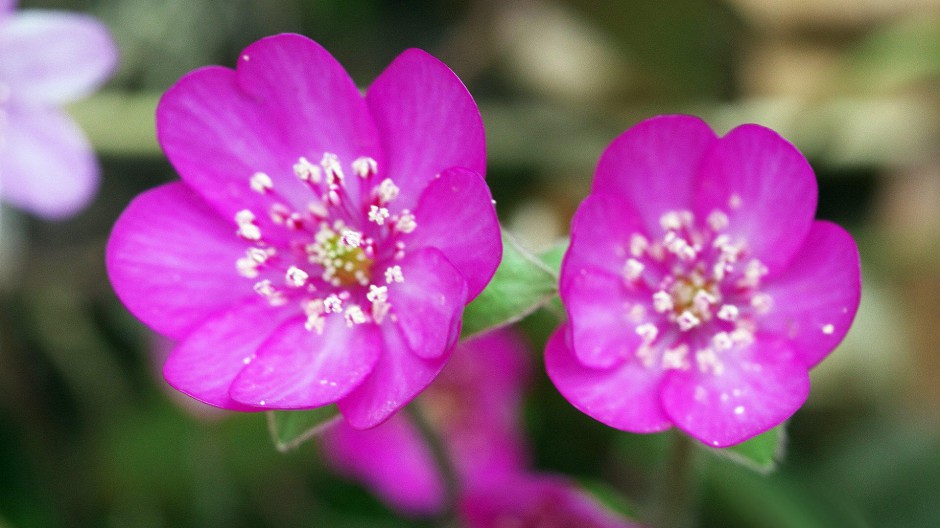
x,y
322,245
699,289
475,406
537,501
49,58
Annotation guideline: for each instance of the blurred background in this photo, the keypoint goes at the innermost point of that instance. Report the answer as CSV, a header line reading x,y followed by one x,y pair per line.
x,y
91,436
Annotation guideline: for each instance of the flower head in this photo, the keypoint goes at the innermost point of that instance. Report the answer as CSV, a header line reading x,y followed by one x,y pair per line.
x,y
49,58
699,289
322,244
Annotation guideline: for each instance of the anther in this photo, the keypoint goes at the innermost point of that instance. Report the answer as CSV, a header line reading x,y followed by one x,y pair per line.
x,y
296,277
261,183
386,191
393,274
378,214
687,321
354,315
638,244
306,171
332,168
364,167
728,312
352,239
406,222
662,302
648,332
633,269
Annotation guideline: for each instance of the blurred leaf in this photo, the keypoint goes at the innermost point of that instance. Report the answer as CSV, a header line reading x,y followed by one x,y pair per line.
x,y
897,55
553,256
521,285
760,453
290,429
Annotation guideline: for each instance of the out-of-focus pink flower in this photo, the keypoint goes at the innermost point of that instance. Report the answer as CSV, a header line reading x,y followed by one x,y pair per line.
x,y
474,405
699,289
537,501
47,59
322,245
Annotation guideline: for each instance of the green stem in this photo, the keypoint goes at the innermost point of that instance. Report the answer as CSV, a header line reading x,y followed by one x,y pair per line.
x,y
442,460
676,498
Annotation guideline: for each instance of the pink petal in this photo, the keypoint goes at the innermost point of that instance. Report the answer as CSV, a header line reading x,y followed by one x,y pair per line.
x,y
600,236
625,397
299,369
456,216
54,57
47,166
289,98
428,122
171,260
598,307
816,297
761,387
392,460
429,302
535,500
653,165
7,6
397,377
204,364
773,185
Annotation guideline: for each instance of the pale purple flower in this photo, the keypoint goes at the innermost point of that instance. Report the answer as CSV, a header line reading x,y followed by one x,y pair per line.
x,y
322,244
474,405
699,289
47,59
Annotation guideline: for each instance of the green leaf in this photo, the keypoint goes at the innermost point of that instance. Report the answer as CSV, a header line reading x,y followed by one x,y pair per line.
x,y
553,256
521,285
289,429
760,453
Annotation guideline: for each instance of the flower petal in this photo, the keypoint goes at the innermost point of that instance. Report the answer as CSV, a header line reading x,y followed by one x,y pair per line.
x,y
766,187
392,460
54,57
816,297
456,216
397,377
171,260
601,231
427,121
300,369
429,302
204,364
598,306
47,166
653,165
762,386
625,397
7,6
289,98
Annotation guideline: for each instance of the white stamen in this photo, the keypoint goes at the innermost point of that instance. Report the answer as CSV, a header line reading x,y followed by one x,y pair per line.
x,y
364,166
670,221
352,238
638,244
648,332
247,267
633,269
739,410
828,329
662,301
703,301
717,220
332,304
249,232
636,313
378,214
261,183
306,171
762,302
244,216
707,360
675,358
728,312
687,321
393,274
406,222
386,191
332,168
722,341
354,315
734,201
296,277
279,213
377,293
259,255
742,336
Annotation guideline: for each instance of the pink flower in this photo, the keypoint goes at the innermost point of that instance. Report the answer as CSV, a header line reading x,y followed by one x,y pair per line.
x,y
699,289
474,405
537,501
49,58
322,245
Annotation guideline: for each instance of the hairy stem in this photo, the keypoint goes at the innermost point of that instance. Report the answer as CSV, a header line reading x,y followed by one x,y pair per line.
x,y
442,460
676,497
